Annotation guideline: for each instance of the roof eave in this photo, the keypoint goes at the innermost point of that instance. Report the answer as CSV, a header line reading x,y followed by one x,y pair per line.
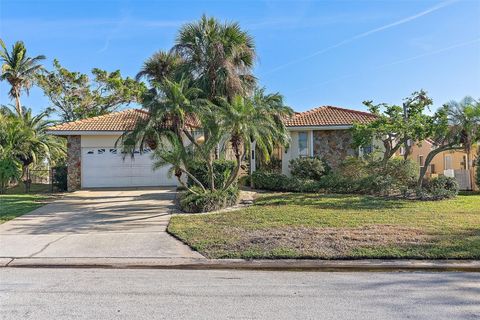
x,y
84,132
318,127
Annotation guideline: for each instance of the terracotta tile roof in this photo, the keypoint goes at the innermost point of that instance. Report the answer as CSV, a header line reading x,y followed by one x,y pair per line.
x,y
115,121
329,116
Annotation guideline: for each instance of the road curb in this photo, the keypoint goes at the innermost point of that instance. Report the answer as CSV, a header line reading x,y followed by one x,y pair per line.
x,y
240,264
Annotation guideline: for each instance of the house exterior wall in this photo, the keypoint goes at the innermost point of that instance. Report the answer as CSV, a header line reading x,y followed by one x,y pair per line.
x,y
439,161
333,146
74,164
99,141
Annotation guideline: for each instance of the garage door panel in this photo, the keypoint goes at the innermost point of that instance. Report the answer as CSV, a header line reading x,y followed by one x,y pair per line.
x,y
107,167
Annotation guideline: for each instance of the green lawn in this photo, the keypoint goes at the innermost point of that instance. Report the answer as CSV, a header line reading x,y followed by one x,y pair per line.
x,y
14,205
337,227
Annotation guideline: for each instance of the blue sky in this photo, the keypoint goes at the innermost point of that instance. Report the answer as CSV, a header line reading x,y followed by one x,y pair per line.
x,y
313,52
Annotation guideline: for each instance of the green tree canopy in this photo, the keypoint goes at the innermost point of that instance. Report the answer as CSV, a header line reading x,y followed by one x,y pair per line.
x,y
74,96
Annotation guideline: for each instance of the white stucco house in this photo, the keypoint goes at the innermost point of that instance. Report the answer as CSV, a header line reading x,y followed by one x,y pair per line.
x,y
94,161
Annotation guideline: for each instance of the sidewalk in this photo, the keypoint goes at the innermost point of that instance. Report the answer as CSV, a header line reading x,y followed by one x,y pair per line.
x,y
277,265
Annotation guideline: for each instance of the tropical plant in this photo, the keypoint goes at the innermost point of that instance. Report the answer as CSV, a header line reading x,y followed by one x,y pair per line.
x,y
74,96
9,170
19,70
218,56
160,66
245,121
466,116
25,140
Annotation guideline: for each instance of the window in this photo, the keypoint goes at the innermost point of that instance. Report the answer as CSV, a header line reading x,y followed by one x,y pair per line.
x,y
90,152
303,144
113,151
464,162
420,161
448,162
100,151
432,169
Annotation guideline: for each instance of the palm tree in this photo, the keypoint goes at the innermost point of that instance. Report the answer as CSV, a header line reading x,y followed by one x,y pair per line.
x,y
253,120
19,70
465,115
160,66
26,140
219,57
174,153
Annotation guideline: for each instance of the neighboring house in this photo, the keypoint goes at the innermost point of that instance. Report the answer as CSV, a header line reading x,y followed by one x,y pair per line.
x,y
93,160
453,163
323,132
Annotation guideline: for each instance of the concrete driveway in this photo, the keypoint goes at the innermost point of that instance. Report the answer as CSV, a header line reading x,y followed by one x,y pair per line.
x,y
97,223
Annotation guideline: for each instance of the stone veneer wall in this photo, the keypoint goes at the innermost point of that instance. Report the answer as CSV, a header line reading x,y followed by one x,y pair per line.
x,y
333,146
74,163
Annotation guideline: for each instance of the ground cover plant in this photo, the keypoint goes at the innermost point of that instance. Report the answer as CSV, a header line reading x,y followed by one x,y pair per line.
x,y
299,225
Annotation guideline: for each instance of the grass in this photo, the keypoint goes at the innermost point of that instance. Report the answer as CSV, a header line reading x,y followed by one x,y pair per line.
x,y
14,205
15,202
337,227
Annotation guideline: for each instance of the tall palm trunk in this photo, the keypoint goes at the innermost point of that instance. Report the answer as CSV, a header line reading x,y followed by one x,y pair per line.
x,y
18,104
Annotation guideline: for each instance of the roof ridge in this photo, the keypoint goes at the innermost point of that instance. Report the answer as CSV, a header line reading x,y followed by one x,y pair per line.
x,y
351,110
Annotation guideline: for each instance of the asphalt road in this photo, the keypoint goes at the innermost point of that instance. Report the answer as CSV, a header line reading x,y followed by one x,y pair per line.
x,y
189,294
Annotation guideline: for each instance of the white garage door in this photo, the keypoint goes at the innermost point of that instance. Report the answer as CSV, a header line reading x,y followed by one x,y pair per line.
x,y
107,167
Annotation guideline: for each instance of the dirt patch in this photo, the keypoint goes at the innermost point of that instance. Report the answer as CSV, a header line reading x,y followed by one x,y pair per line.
x,y
327,242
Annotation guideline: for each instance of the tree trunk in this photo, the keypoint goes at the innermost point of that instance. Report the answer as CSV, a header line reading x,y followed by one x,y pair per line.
x,y
194,180
428,160
18,105
234,175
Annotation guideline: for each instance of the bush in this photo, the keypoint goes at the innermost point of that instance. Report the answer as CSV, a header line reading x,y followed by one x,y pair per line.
x,y
356,175
308,168
280,182
208,201
60,178
221,168
442,187
10,170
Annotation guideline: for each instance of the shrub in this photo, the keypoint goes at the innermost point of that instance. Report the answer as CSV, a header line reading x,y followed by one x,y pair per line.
x,y
274,165
356,175
9,170
208,201
221,168
308,168
280,182
60,178
442,187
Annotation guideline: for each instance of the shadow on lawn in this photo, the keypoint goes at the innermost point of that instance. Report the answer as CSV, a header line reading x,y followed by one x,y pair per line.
x,y
332,201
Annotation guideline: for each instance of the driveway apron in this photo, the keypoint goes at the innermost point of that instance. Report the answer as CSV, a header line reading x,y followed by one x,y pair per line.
x,y
97,223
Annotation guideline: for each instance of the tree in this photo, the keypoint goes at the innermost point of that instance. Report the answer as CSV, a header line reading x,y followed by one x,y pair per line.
x,y
465,115
443,137
395,126
219,57
19,70
248,120
25,140
160,66
74,96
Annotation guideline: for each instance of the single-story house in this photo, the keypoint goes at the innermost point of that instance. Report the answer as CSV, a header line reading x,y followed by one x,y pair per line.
x,y
93,160
323,132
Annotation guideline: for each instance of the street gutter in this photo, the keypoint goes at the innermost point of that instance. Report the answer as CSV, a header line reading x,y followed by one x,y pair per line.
x,y
240,264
